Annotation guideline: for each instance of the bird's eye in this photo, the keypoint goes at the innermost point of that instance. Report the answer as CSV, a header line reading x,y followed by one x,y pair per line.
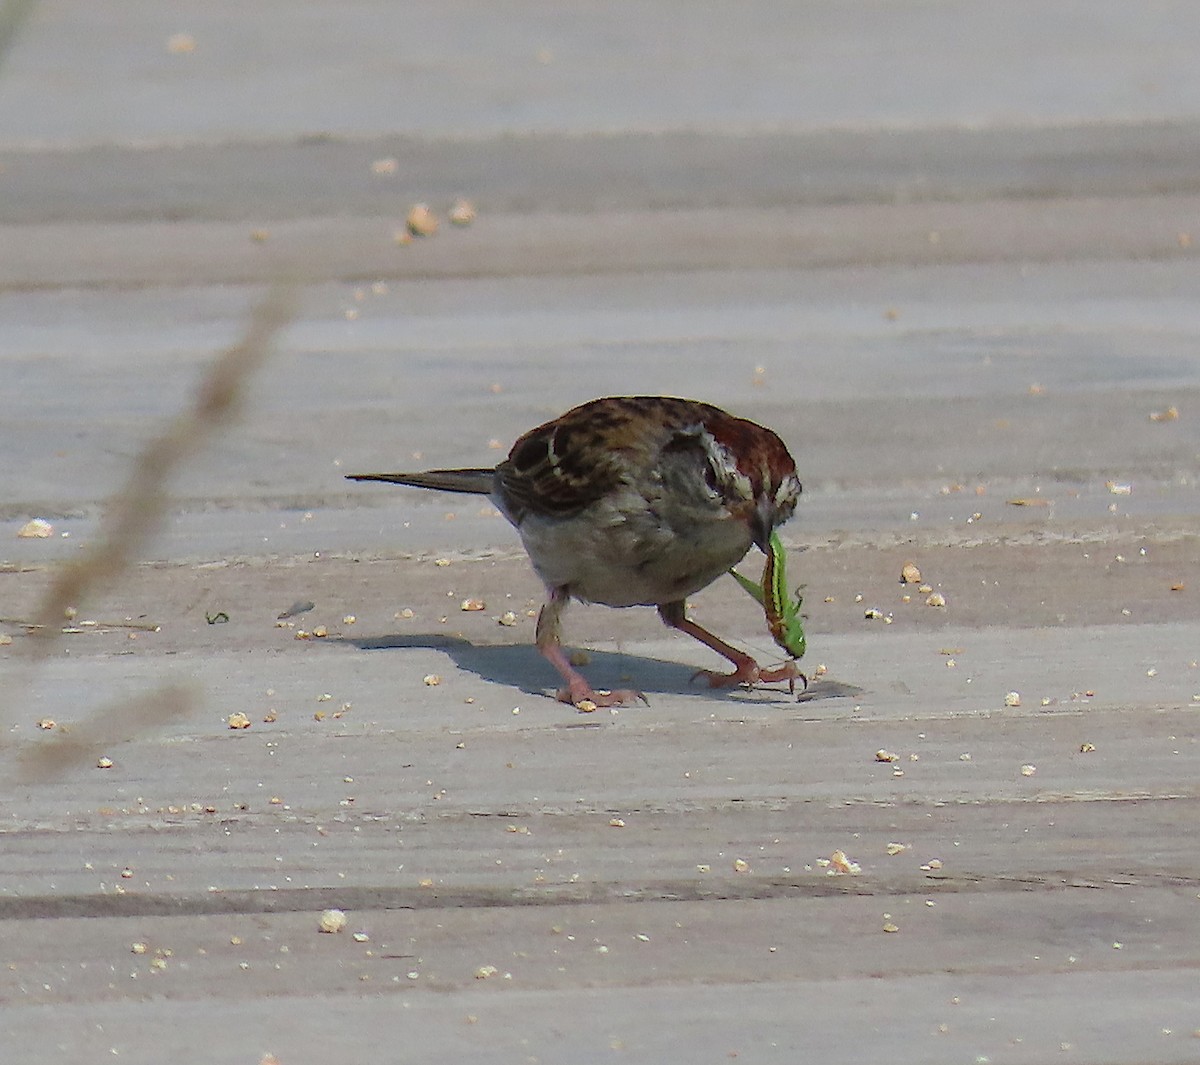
x,y
529,453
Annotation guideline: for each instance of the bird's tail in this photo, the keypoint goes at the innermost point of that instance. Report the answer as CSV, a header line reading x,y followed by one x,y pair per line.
x,y
473,482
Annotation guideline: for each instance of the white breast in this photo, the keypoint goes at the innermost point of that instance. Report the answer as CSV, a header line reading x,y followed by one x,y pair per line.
x,y
619,553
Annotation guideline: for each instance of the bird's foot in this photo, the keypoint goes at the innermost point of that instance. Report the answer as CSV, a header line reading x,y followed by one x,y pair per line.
x,y
585,698
790,672
750,673
578,692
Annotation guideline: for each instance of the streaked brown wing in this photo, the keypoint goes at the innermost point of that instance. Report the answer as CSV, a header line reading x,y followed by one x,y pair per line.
x,y
565,465
556,470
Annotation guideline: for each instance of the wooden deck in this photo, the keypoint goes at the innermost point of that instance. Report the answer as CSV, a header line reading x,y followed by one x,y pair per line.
x,y
962,327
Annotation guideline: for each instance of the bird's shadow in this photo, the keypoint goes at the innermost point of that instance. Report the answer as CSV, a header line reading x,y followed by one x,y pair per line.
x,y
520,667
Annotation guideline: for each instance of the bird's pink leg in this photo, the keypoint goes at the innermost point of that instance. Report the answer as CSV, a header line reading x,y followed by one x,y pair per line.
x,y
746,670
549,642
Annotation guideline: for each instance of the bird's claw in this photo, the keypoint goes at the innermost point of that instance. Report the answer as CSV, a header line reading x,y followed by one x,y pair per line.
x,y
796,675
750,673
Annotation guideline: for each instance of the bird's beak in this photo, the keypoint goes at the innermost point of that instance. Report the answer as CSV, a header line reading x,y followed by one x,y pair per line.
x,y
762,523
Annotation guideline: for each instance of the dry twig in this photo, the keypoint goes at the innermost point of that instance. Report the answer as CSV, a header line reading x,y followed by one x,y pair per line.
x,y
139,506
133,515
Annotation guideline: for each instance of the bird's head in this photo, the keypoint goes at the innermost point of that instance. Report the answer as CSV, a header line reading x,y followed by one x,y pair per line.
x,y
748,471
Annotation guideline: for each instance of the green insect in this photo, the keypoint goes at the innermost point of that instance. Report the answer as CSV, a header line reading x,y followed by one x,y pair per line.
x,y
783,615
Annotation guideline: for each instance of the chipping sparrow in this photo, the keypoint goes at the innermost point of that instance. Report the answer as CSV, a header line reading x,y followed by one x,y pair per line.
x,y
635,501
